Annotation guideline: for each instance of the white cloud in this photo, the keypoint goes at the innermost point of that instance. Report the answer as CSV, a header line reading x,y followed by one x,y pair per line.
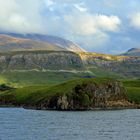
x,y
89,24
81,24
19,16
81,7
135,20
49,2
108,23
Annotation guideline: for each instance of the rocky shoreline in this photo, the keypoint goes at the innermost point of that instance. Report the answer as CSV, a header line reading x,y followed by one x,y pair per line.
x,y
86,94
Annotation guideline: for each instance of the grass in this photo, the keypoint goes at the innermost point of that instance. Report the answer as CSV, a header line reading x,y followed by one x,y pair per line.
x,y
133,90
99,72
38,78
33,94
34,86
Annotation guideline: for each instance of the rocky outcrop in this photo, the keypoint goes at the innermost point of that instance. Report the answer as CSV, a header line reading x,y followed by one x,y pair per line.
x,y
89,96
40,60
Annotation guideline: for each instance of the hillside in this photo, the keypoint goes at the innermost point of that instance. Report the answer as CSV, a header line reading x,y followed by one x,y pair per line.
x,y
80,94
125,66
133,52
36,42
9,43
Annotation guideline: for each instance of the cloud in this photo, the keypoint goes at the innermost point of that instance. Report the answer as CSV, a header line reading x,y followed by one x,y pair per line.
x,y
135,20
108,23
19,16
89,24
81,7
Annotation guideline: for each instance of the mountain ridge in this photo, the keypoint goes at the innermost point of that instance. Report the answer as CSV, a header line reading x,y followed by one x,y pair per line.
x,y
52,40
132,52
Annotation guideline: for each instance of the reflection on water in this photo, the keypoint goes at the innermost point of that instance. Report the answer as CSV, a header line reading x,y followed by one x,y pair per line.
x,y
21,124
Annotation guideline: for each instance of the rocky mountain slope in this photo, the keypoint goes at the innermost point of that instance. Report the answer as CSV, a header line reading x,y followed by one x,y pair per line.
x,y
133,52
9,43
37,41
40,60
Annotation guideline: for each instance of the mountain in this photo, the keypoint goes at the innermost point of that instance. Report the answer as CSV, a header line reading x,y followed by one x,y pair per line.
x,y
51,40
133,52
9,43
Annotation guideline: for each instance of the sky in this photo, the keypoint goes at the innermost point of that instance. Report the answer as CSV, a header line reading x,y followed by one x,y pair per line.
x,y
106,26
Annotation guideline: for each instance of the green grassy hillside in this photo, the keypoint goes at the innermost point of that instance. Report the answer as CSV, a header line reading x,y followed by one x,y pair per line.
x,y
34,94
33,86
36,78
133,90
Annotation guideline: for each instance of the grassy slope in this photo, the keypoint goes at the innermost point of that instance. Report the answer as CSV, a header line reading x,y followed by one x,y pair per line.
x,y
36,78
98,72
32,95
37,83
133,90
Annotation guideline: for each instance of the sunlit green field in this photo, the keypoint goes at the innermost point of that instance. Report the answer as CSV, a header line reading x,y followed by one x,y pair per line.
x,y
133,90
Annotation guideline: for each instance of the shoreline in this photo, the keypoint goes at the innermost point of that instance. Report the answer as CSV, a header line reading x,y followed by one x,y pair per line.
x,y
88,109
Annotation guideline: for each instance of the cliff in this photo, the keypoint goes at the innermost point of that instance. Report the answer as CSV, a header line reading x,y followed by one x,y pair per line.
x,y
65,60
39,60
89,95
124,65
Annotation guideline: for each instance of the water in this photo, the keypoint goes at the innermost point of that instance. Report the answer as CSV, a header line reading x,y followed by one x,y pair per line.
x,y
21,124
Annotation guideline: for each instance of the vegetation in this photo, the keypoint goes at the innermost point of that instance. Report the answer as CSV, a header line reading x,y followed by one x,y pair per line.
x,y
34,94
133,90
50,86
38,78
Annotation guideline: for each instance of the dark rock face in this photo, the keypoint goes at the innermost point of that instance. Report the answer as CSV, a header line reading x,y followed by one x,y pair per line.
x,y
89,96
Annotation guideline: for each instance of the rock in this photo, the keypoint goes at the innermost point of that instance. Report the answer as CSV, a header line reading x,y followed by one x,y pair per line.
x,y
62,103
40,60
89,96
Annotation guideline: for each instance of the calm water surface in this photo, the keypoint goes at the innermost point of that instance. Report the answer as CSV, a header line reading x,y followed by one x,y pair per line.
x,y
21,124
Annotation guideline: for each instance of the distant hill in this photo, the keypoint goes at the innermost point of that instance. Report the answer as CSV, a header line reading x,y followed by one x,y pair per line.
x,y
9,43
133,52
37,41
